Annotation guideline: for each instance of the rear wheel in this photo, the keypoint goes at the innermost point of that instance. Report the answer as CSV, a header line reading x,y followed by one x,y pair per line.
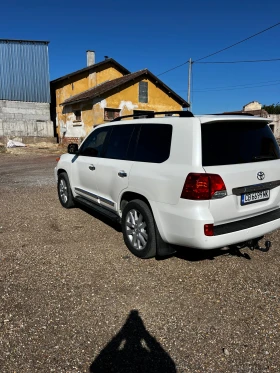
x,y
138,228
64,191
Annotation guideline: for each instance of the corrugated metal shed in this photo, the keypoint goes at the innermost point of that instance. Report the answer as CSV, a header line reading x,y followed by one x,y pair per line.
x,y
24,71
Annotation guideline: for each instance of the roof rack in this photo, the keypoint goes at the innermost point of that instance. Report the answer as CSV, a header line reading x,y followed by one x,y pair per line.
x,y
181,113
244,114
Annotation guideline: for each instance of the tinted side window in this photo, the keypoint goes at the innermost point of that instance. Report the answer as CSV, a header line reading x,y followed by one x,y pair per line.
x,y
119,142
133,142
93,145
232,142
154,143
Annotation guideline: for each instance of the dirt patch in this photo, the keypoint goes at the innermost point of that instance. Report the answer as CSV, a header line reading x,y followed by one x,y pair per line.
x,y
38,148
73,298
2,148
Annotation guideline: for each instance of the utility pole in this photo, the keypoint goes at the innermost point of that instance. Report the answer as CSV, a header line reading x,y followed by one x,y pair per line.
x,y
189,85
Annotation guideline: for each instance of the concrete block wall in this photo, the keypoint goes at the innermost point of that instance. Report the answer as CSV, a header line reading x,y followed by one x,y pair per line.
x,y
276,122
23,119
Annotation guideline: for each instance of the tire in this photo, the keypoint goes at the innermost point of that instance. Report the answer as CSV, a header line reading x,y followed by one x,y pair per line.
x,y
138,227
64,191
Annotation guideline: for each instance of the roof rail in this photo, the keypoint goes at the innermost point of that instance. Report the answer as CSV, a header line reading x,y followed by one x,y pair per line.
x,y
244,114
181,113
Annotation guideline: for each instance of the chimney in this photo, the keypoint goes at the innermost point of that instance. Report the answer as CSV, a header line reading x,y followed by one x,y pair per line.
x,y
90,58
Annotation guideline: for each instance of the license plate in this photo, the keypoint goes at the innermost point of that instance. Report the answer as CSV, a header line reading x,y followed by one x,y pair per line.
x,y
253,197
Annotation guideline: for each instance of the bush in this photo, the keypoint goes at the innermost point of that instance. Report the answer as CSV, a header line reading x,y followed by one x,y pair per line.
x,y
272,109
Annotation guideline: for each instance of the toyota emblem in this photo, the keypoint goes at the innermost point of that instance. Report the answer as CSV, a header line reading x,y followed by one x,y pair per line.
x,y
260,175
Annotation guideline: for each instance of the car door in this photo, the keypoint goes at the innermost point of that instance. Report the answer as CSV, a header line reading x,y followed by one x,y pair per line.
x,y
85,164
112,172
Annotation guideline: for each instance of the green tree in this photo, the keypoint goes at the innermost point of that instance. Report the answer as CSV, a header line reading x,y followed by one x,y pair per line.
x,y
272,109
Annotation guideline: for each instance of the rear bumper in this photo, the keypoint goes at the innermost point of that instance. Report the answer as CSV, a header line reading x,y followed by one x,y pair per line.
x,y
247,223
183,226
242,235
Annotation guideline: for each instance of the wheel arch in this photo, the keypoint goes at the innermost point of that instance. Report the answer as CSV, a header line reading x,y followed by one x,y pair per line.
x,y
64,170
129,196
60,171
162,247
64,189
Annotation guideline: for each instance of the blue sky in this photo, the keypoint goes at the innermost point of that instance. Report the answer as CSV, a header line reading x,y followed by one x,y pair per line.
x,y
158,36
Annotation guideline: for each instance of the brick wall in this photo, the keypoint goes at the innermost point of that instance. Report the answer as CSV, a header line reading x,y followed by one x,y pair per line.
x,y
71,140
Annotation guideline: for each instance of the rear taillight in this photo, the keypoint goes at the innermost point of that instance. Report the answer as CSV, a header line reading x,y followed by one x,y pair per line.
x,y
203,186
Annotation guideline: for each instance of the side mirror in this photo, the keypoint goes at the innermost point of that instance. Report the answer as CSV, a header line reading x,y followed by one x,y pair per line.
x,y
72,148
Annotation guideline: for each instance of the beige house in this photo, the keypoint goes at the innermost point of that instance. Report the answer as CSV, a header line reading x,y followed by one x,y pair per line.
x,y
103,91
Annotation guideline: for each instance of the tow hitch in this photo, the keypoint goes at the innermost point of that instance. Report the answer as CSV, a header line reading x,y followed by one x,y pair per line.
x,y
254,245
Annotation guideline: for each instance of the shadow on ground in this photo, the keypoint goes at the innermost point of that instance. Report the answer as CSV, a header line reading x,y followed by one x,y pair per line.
x,y
133,349
186,253
111,223
196,255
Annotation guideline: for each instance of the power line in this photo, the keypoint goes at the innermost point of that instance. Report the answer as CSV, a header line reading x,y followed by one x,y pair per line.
x,y
231,89
239,42
173,68
221,50
244,61
248,85
244,85
222,62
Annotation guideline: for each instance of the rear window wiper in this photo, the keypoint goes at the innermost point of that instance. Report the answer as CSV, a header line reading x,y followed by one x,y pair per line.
x,y
258,158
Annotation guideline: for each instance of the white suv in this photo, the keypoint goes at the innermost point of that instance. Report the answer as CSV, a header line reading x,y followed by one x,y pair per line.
x,y
196,181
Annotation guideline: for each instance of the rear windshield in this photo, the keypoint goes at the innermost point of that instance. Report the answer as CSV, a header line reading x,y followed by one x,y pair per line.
x,y
231,142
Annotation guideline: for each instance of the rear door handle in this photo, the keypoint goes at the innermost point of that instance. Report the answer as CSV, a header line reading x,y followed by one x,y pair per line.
x,y
91,167
122,174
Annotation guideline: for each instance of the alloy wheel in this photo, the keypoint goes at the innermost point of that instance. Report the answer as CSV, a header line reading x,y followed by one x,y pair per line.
x,y
63,192
136,229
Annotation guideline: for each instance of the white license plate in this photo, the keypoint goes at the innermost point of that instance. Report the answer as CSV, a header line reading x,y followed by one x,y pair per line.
x,y
253,197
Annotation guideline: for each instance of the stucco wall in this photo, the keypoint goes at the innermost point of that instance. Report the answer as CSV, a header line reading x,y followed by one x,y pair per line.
x,y
65,119
81,83
127,100
20,119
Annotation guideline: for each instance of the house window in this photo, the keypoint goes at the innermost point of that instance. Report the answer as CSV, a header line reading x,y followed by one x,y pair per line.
x,y
78,115
143,92
110,114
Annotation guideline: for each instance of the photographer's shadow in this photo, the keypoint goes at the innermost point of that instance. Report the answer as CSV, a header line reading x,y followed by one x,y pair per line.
x,y
133,349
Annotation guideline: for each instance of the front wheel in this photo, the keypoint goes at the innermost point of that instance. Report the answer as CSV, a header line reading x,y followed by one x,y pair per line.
x,y
64,191
138,228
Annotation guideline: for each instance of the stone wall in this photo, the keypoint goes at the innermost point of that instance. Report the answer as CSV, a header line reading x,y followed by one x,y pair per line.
x,y
19,120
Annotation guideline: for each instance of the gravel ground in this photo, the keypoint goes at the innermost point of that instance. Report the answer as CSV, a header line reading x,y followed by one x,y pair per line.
x,y
73,299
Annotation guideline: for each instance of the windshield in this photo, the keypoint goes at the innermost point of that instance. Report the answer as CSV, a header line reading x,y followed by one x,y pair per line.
x,y
231,142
